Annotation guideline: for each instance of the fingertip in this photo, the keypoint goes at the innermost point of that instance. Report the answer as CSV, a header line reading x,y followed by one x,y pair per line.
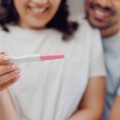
x,y
18,77
6,58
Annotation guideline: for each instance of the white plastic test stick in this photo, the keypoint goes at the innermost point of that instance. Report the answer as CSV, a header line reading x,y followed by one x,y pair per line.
x,y
36,57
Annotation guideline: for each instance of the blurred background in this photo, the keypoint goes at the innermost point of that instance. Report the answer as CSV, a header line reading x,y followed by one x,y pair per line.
x,y
76,6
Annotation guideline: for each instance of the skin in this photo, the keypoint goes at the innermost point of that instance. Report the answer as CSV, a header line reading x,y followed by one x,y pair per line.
x,y
115,110
9,72
109,24
7,109
91,106
105,15
35,14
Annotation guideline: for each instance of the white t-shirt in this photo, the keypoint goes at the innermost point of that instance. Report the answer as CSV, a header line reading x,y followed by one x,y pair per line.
x,y
52,90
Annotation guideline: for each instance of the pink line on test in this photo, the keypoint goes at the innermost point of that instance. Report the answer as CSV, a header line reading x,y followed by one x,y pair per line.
x,y
51,57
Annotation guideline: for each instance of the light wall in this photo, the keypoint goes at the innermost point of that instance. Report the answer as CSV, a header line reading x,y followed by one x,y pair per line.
x,y
76,6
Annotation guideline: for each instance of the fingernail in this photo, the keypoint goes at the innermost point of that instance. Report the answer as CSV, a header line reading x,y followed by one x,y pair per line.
x,y
18,76
17,71
6,58
14,66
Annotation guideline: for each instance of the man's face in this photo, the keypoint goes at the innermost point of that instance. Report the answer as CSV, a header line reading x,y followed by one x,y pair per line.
x,y
103,13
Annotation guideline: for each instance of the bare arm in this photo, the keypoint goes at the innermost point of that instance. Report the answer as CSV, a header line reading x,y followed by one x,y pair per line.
x,y
115,110
92,104
9,74
7,108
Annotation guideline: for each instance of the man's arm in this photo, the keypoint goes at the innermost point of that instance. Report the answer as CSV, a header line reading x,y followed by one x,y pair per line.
x,y
7,109
115,110
92,104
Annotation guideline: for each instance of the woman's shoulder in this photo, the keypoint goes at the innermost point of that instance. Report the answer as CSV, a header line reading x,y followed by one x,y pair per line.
x,y
85,33
85,28
83,23
5,34
2,33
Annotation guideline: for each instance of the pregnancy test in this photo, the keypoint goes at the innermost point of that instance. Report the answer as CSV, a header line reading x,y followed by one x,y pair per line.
x,y
36,57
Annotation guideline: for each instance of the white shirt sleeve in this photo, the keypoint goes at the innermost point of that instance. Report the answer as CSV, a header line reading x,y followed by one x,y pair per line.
x,y
97,67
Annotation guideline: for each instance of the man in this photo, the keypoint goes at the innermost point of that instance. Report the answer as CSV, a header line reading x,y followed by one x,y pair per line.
x,y
105,15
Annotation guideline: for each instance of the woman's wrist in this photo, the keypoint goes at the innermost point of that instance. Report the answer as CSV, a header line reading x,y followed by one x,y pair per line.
x,y
7,108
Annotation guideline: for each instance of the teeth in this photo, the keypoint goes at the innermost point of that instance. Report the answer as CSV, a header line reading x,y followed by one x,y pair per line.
x,y
99,13
38,9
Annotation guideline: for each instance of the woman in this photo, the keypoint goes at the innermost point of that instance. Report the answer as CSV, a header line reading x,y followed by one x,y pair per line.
x,y
50,90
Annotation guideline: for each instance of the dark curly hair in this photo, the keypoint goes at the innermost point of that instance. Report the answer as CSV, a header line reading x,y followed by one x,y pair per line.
x,y
60,22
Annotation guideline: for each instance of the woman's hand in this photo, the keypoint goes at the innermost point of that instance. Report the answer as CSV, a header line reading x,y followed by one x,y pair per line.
x,y
9,72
